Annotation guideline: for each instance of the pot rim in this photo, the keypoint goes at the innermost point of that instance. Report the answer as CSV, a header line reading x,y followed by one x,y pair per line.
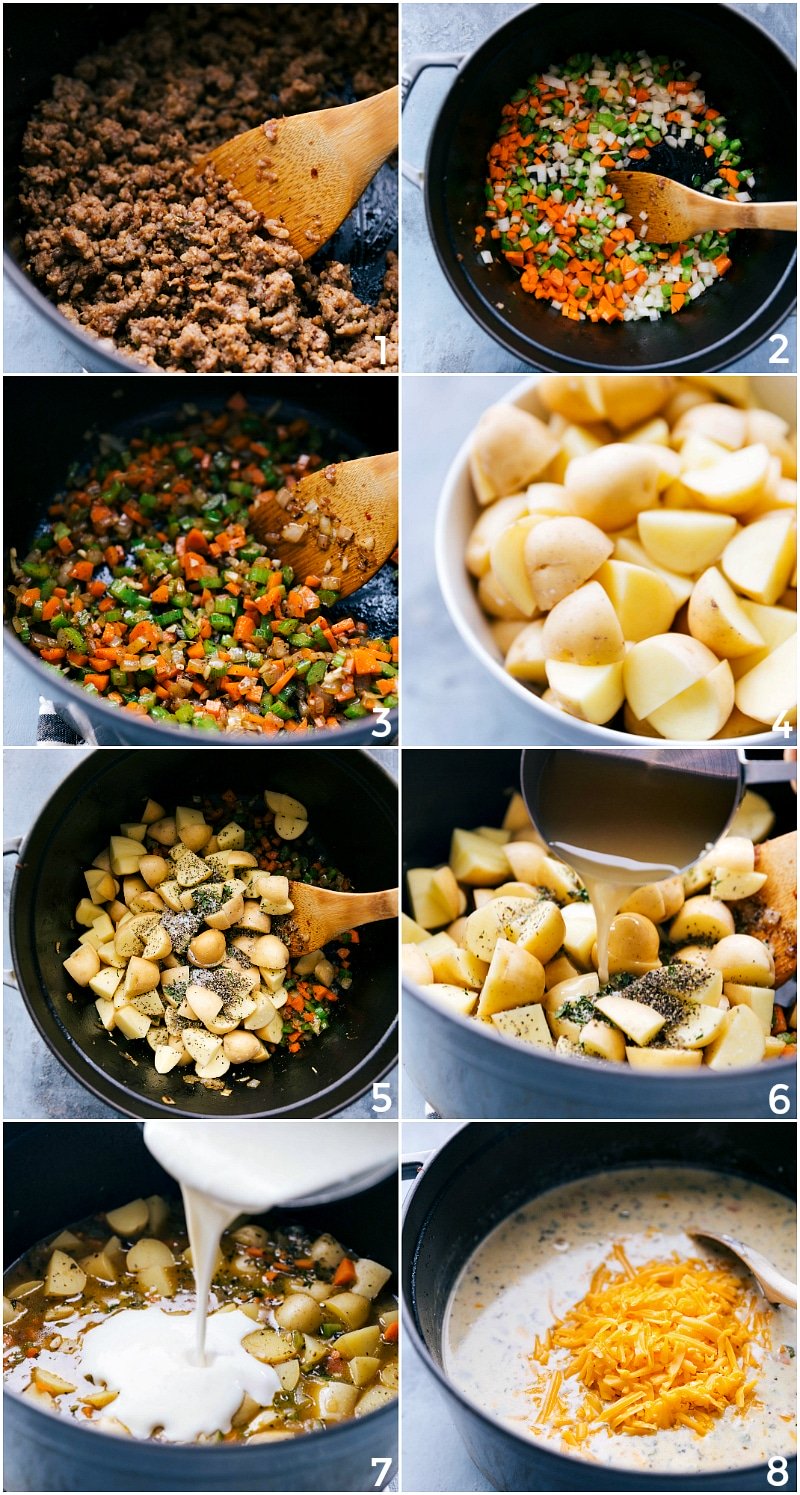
x,y
568,1462
533,1056
449,574
83,1068
538,356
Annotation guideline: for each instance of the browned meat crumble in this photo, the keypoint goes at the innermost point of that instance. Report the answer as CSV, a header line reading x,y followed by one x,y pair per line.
x,y
179,271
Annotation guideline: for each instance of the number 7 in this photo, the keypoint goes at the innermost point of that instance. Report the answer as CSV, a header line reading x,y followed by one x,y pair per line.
x,y
381,1478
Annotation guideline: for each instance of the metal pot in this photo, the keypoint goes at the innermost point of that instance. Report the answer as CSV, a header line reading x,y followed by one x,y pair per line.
x,y
478,1179
746,76
463,1068
77,412
92,1166
353,809
51,40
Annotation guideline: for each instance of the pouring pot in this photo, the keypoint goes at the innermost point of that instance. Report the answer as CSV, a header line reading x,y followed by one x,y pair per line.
x,y
51,39
480,1177
464,1068
745,75
352,809
78,411
92,1167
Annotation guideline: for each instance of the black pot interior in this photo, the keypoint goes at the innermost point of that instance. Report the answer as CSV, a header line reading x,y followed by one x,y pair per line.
x,y
74,413
352,808
745,76
92,1167
488,1170
476,790
43,40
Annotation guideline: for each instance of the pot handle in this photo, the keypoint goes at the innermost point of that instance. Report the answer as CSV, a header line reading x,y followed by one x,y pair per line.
x,y
767,770
10,848
412,1164
411,71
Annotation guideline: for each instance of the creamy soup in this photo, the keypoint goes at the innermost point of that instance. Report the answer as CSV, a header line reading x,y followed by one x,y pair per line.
x,y
534,1267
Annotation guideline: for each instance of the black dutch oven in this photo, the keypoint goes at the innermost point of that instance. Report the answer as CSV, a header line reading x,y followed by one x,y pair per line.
x,y
464,1069
745,75
43,40
352,808
72,413
479,1178
90,1167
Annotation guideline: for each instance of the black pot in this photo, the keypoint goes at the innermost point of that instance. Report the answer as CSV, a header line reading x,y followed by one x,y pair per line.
x,y
73,413
746,76
477,1180
91,1167
43,40
465,1069
353,809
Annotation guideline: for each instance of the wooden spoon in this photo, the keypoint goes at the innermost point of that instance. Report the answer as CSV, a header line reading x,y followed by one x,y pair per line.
x,y
358,502
675,213
775,1287
309,170
320,914
771,916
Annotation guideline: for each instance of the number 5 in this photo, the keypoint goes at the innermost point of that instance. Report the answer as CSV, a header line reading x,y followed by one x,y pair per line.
x,y
386,1465
381,1097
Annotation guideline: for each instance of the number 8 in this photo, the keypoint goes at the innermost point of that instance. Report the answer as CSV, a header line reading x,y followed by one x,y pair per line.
x,y
778,1474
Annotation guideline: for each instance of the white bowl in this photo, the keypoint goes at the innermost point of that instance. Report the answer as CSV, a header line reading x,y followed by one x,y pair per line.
x,y
457,513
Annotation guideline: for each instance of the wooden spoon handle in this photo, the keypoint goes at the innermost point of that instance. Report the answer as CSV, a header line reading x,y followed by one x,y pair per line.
x,y
776,215
367,908
367,134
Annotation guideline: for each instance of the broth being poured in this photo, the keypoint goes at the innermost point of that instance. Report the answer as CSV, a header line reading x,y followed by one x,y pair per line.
x,y
622,820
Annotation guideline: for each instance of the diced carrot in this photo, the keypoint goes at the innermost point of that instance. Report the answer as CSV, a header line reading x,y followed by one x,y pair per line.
x,y
100,682
283,681
161,594
244,627
51,656
28,597
391,1332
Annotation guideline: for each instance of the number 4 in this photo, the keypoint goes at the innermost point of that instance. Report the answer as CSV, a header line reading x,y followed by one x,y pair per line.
x,y
781,725
386,1465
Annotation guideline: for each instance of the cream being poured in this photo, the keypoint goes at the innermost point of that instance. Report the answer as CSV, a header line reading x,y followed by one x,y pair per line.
x,y
188,1373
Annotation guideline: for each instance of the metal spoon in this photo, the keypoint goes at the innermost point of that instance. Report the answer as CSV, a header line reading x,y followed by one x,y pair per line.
x,y
775,1287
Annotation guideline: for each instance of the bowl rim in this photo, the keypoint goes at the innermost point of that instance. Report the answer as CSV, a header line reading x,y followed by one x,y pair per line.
x,y
449,576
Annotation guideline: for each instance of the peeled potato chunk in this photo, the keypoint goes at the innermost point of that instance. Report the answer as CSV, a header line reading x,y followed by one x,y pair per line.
x,y
761,999
718,620
667,1059
700,712
732,484
507,559
525,657
528,1024
769,691
636,1019
685,540
743,959
660,668
759,561
488,526
611,486
510,447
603,1041
584,629
642,600
774,624
560,555
740,1042
592,692
514,979
634,554
453,998
702,918
495,601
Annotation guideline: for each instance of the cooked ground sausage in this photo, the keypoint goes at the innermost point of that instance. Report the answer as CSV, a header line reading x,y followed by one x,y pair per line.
x,y
180,271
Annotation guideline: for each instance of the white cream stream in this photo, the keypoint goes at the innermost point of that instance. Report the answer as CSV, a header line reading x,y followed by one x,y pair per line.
x,y
187,1373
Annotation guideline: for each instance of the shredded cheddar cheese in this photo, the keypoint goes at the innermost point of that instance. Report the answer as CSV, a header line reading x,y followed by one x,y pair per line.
x,y
668,1344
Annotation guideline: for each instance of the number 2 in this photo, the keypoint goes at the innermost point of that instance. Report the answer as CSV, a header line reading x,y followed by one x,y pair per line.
x,y
783,343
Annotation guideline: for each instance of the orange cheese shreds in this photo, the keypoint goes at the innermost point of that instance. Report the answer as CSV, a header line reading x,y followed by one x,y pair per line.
x,y
668,1344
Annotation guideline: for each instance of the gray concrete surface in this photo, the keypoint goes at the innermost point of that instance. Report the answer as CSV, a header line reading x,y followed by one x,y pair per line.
x,y
438,334
448,699
34,1082
433,1456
